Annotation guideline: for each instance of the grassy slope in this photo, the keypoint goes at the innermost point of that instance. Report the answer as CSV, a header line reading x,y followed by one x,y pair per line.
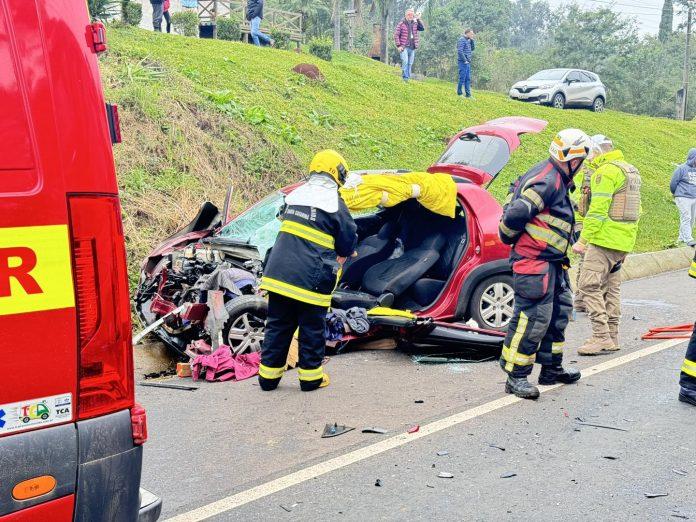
x,y
263,123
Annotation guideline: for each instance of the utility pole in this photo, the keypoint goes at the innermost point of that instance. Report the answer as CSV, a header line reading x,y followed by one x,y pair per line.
x,y
681,114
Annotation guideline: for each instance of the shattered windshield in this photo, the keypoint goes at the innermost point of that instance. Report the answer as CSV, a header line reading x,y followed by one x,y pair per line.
x,y
257,226
487,153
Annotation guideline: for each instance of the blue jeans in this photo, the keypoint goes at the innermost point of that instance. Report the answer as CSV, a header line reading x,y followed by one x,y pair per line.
x,y
256,35
464,79
407,57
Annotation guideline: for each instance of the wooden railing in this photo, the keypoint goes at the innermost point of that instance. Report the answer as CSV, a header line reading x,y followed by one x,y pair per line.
x,y
210,10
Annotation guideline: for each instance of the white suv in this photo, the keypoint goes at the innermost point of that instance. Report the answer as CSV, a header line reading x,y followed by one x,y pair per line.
x,y
562,88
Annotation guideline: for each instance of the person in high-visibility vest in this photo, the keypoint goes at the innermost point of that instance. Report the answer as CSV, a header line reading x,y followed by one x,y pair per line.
x,y
687,379
316,236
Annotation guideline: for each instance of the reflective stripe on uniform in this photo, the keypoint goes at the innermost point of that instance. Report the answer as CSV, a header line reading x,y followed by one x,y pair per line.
x,y
310,375
602,195
692,270
557,348
267,372
507,230
510,353
535,198
547,236
556,222
308,233
295,292
689,367
598,217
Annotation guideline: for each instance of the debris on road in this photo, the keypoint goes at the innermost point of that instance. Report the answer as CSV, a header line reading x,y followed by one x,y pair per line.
x,y
419,401
378,483
610,457
430,486
655,495
334,430
444,474
223,365
183,370
442,453
374,429
680,472
414,429
169,386
508,475
496,447
602,426
289,510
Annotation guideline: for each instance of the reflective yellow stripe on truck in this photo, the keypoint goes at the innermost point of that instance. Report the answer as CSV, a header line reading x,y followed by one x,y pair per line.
x,y
35,272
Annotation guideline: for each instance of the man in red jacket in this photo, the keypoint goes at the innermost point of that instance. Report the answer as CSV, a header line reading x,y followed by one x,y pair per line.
x,y
407,39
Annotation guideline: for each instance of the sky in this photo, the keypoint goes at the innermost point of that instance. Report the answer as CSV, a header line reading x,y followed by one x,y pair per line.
x,y
646,12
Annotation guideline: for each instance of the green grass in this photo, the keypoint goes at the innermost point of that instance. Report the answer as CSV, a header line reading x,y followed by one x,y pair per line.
x,y
204,112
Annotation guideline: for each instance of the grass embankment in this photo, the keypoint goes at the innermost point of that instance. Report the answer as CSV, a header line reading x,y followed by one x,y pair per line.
x,y
199,114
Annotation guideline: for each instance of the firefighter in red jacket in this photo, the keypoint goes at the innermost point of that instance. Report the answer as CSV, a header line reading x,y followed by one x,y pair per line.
x,y
687,380
538,221
301,271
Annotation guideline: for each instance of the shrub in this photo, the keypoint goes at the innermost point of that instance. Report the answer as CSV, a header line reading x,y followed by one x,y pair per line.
x,y
186,23
102,10
229,28
281,38
321,48
131,13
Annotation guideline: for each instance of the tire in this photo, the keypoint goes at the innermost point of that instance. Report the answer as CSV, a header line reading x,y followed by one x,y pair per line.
x,y
25,420
492,303
44,416
598,104
244,330
558,101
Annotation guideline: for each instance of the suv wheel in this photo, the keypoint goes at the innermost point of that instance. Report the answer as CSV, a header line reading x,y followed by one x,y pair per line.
x,y
244,330
598,105
558,101
492,303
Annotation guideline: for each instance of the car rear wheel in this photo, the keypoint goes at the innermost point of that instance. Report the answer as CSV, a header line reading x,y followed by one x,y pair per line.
x,y
492,303
244,330
558,101
598,105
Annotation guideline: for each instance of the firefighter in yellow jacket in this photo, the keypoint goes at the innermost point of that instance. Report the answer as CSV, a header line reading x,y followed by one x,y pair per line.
x,y
300,273
687,380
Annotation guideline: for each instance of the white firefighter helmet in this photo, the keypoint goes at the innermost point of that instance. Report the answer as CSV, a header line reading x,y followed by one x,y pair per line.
x,y
570,144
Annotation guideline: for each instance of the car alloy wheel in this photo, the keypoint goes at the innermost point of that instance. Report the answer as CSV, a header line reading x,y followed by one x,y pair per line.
x,y
598,105
246,334
558,101
495,306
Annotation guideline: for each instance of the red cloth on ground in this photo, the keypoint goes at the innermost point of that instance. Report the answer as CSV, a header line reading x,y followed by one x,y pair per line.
x,y
221,365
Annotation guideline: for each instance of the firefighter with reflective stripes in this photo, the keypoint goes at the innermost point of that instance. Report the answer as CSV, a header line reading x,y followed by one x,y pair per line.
x,y
316,236
687,380
611,209
538,221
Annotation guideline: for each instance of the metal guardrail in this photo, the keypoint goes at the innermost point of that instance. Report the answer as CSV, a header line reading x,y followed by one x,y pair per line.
x,y
210,10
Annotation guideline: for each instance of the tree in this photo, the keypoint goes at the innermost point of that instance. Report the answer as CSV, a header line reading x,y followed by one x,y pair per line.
x,y
529,24
492,16
667,21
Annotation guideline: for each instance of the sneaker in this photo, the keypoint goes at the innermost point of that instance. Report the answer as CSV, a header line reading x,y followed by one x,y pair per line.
x,y
521,387
596,346
691,244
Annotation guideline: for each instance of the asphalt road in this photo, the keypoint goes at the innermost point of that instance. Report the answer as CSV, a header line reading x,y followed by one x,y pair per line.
x,y
224,439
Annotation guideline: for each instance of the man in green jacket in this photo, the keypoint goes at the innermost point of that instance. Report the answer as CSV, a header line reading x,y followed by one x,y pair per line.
x,y
609,232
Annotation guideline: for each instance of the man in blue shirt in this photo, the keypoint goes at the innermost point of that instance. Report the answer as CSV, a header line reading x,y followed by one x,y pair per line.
x,y
465,48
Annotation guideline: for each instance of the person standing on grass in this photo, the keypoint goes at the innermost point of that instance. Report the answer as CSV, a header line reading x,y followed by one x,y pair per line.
x,y
465,48
157,14
406,39
255,14
166,15
683,187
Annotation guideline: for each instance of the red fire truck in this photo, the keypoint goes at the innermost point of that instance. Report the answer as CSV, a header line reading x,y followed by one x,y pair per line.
x,y
71,434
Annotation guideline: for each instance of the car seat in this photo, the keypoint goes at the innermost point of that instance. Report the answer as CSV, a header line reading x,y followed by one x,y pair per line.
x,y
371,250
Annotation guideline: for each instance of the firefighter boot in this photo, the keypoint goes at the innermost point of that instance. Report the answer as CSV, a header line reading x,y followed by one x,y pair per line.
x,y
312,385
614,334
595,346
551,374
521,387
687,396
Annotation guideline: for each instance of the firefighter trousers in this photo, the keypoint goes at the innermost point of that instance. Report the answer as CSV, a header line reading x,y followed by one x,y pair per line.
x,y
285,316
687,378
543,306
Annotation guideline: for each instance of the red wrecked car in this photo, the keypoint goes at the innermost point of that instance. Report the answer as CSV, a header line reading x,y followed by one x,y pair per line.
x,y
202,281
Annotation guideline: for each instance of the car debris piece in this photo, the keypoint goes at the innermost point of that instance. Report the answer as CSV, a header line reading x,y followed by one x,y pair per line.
x,y
442,453
334,430
430,486
378,483
286,508
414,429
444,474
610,457
508,475
655,495
602,426
419,401
496,447
680,472
374,429
156,324
170,386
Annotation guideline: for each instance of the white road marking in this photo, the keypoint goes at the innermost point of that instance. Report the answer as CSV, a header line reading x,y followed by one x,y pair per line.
x,y
316,470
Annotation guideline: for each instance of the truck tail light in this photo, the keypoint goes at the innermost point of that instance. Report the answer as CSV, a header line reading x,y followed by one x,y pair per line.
x,y
103,308
114,123
139,424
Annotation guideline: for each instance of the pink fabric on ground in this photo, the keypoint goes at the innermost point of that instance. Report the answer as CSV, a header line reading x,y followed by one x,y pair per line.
x,y
221,365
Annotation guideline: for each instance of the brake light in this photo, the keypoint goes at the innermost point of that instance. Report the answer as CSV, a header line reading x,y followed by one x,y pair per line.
x,y
103,309
114,123
139,424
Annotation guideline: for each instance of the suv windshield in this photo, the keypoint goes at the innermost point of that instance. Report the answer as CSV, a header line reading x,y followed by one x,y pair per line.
x,y
487,153
548,74
257,226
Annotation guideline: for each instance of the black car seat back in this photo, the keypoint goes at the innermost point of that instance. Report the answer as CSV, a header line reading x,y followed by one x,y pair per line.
x,y
371,250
